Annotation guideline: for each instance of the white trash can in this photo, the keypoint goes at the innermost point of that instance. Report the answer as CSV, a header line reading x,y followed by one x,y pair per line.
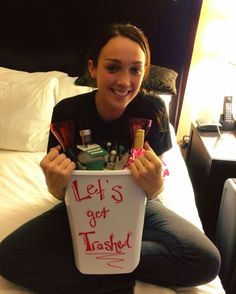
x,y
106,213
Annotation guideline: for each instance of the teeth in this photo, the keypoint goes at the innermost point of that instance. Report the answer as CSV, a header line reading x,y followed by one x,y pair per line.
x,y
121,93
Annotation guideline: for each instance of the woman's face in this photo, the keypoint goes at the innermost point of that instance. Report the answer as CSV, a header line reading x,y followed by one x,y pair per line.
x,y
119,74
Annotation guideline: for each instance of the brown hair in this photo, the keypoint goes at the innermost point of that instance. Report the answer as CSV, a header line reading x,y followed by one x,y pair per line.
x,y
120,29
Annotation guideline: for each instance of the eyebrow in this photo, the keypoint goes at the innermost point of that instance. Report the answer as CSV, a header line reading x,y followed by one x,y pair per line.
x,y
118,61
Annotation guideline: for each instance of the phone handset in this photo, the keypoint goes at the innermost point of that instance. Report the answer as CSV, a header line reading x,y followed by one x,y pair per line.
x,y
227,108
226,119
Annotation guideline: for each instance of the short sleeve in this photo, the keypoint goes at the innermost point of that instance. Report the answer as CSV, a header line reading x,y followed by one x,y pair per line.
x,y
159,136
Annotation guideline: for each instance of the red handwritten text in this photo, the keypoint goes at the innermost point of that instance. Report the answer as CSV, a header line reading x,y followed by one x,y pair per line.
x,y
97,189
112,259
94,215
110,245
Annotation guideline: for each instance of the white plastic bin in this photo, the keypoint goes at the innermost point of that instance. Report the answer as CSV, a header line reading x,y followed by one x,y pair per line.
x,y
106,213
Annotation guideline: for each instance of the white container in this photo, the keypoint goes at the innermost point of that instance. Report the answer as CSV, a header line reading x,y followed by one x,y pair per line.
x,y
106,213
226,231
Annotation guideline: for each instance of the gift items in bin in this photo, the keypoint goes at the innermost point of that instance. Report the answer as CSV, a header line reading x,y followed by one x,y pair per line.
x,y
90,156
105,206
139,123
64,132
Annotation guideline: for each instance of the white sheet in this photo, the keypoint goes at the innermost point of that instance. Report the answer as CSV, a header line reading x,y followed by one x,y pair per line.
x,y
23,195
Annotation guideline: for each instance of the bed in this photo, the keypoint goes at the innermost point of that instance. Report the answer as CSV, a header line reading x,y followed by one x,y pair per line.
x,y
42,54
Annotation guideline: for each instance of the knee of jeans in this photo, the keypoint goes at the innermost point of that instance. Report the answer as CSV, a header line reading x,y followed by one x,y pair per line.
x,y
215,262
2,260
209,264
8,262
153,248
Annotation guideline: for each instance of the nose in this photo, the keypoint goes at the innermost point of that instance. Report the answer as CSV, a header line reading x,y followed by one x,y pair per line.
x,y
123,78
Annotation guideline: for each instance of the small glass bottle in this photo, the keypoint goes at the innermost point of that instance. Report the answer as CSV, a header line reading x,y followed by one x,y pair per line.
x,y
86,137
139,139
111,159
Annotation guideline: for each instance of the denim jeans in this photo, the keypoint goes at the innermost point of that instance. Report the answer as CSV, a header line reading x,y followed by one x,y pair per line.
x,y
39,255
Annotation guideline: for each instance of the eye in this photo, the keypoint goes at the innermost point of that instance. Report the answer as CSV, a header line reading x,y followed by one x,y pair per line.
x,y
112,68
136,70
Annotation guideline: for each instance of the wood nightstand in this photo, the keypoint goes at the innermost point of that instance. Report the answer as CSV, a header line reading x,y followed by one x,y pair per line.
x,y
211,160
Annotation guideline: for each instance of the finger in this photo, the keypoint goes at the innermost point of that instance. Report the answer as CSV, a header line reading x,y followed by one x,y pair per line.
x,y
58,147
144,162
148,165
53,152
139,164
65,168
134,171
58,160
65,163
147,146
142,167
151,156
71,167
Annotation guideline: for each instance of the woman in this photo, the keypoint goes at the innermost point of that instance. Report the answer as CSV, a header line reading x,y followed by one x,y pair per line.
x,y
39,255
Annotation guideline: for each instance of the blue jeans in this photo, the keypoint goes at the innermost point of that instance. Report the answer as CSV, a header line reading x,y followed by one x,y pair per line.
x,y
39,255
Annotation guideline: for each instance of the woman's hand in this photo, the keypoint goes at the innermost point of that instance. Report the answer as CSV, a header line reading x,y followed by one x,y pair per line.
x,y
57,169
147,172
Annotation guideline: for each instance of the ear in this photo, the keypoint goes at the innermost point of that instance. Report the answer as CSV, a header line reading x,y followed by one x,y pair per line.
x,y
92,69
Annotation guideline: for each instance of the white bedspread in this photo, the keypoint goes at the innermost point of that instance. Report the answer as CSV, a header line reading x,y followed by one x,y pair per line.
x,y
29,98
23,195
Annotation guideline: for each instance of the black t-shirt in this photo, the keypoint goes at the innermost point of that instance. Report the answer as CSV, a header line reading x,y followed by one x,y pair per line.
x,y
82,110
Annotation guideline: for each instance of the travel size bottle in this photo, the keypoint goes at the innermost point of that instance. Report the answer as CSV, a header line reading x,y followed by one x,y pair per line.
x,y
137,149
111,160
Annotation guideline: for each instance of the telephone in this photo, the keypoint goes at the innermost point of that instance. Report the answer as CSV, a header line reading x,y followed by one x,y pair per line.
x,y
208,125
226,119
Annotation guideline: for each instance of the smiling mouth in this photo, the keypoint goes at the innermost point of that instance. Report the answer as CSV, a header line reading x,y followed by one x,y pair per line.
x,y
121,93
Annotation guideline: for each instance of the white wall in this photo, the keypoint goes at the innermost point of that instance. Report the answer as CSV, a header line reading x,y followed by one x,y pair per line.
x,y
211,76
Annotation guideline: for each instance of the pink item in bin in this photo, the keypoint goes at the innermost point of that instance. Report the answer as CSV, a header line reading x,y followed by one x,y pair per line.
x,y
106,213
139,123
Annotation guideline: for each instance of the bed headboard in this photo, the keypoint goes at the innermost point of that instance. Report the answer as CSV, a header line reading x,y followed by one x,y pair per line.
x,y
42,35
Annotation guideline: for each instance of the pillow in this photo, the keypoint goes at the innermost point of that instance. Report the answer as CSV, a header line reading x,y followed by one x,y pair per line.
x,y
27,101
11,75
68,88
160,80
25,113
